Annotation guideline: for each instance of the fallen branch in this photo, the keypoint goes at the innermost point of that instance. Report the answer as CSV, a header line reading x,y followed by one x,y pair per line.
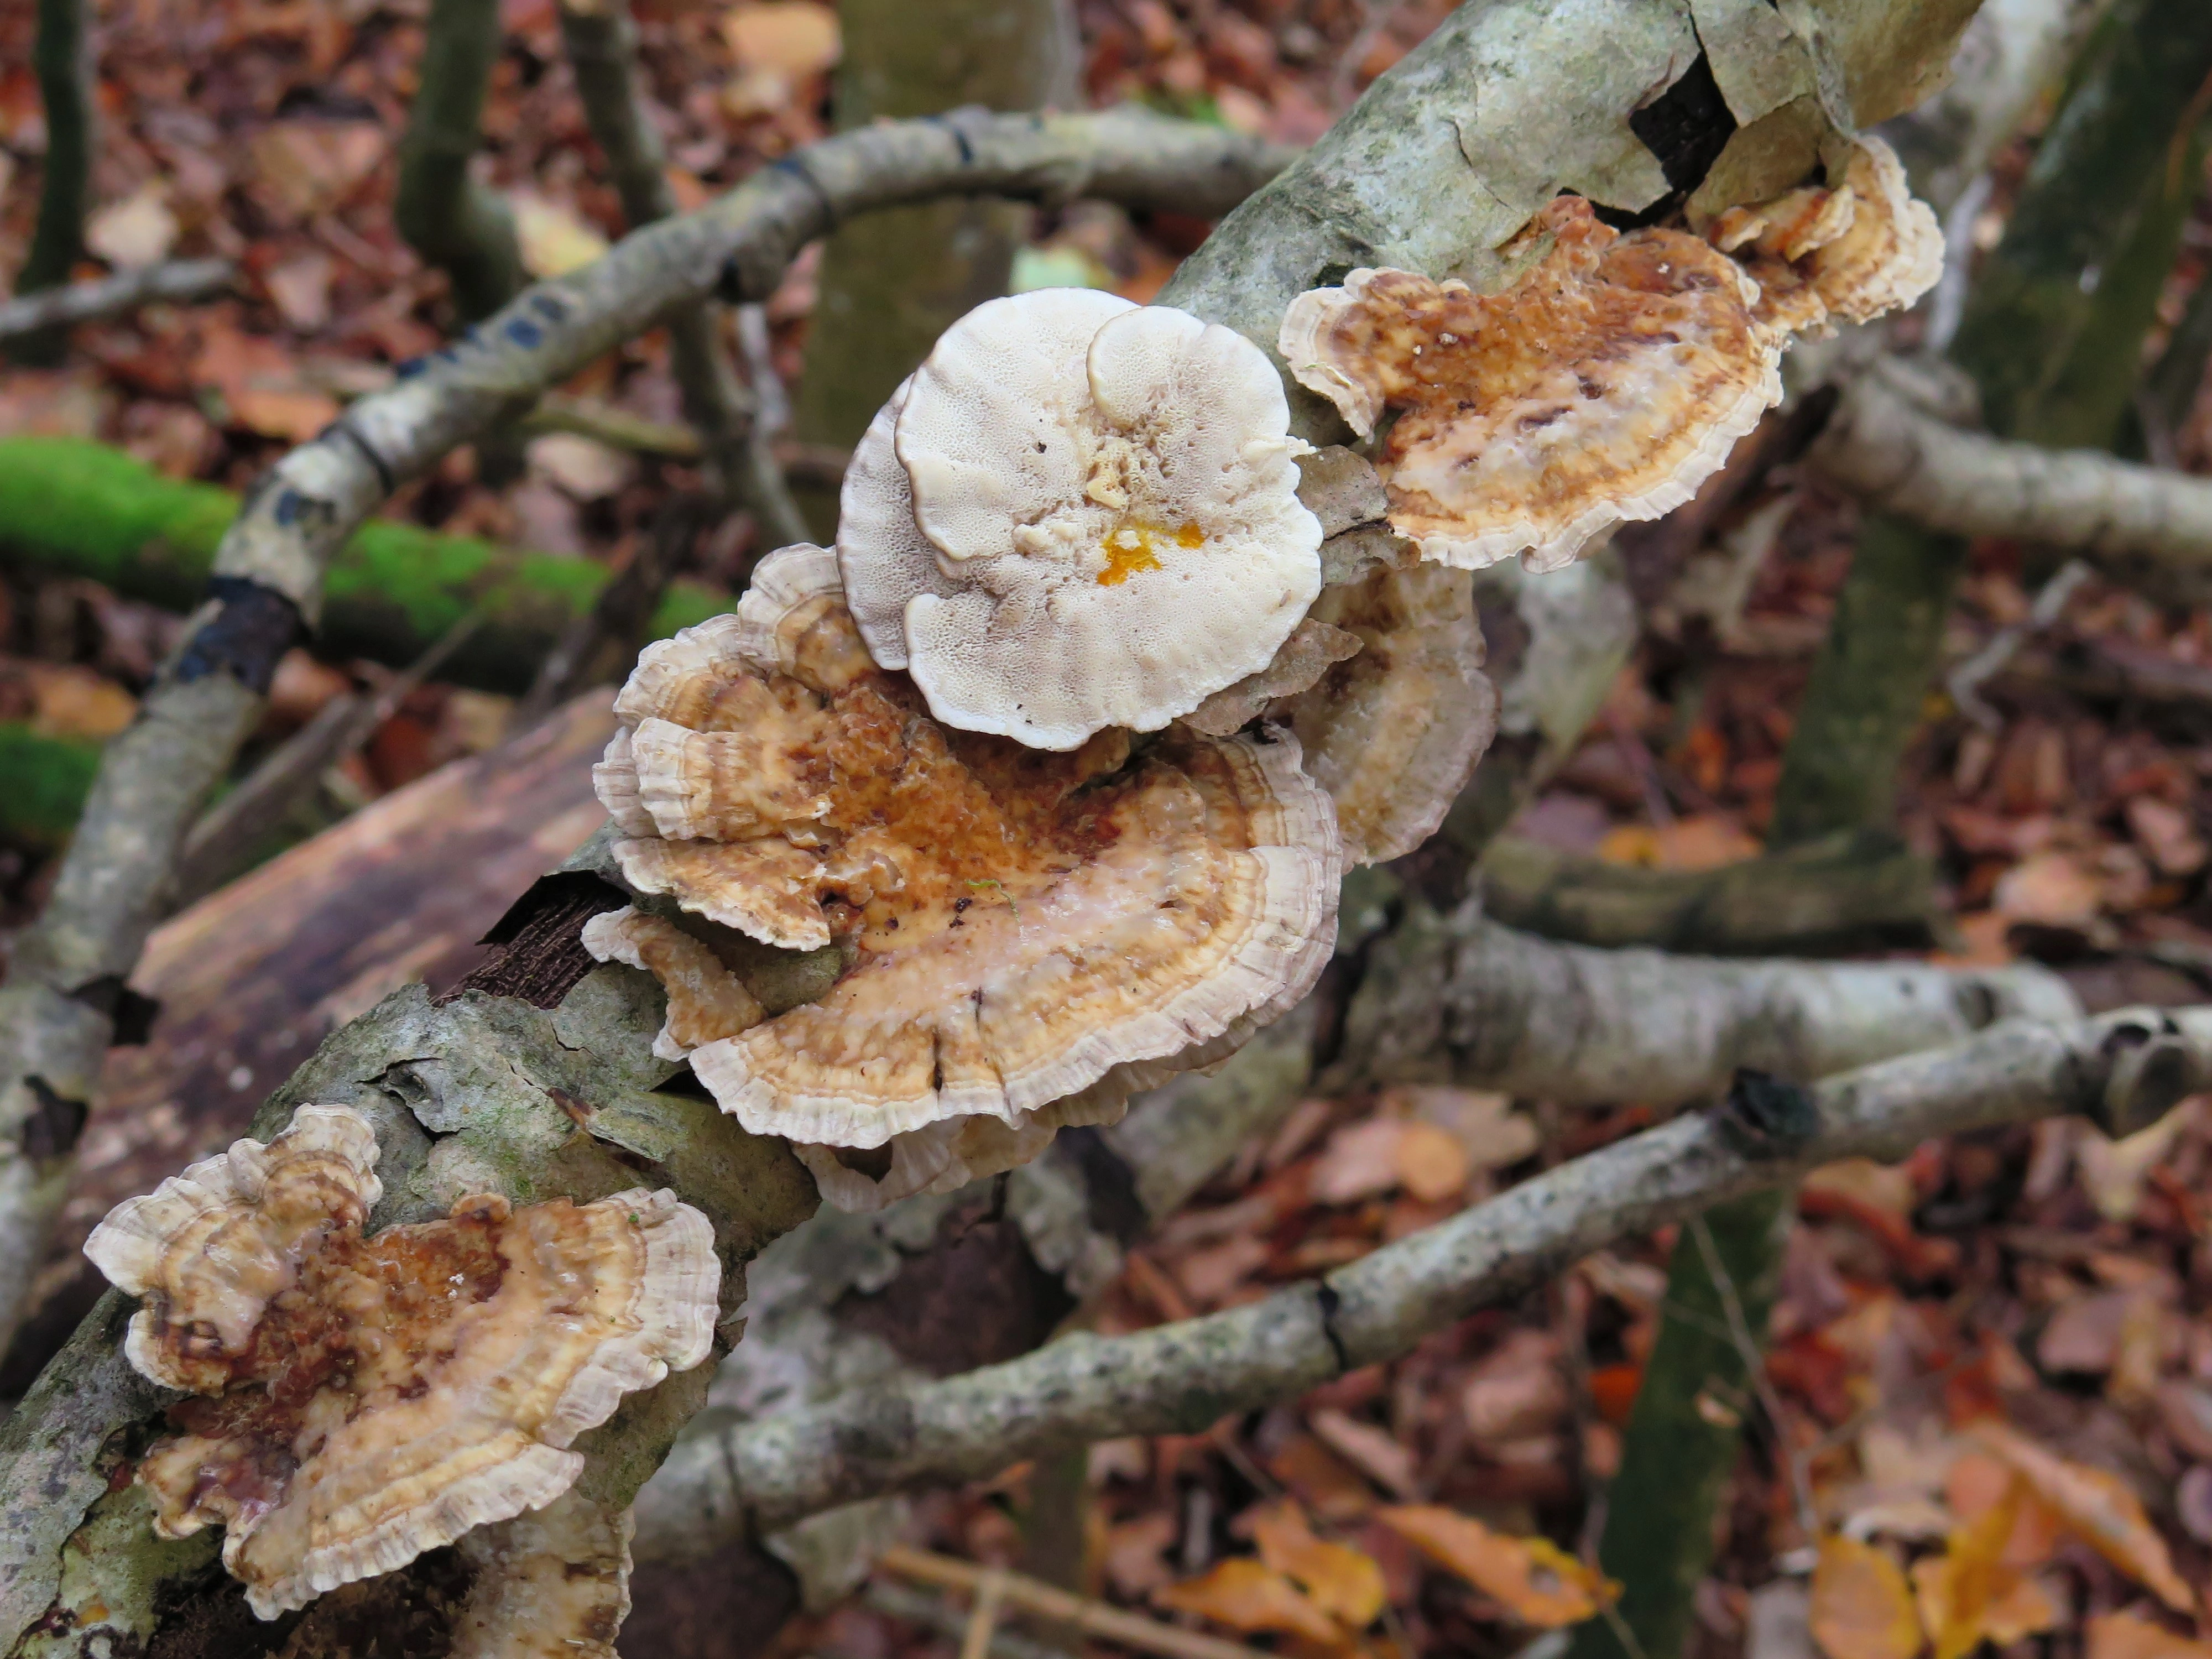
x,y
1463,996
2139,524
174,280
2126,1070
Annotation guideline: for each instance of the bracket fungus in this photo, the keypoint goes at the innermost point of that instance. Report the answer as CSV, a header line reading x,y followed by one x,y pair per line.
x,y
1029,935
1078,514
1606,384
1612,377
359,1400
1845,254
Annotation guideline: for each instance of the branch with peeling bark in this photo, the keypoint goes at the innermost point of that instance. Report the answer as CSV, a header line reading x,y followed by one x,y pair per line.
x,y
2126,1070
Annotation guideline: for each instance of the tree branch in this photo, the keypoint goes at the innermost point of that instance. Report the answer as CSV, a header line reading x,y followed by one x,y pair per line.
x,y
2141,523
176,280
2126,1068
1463,998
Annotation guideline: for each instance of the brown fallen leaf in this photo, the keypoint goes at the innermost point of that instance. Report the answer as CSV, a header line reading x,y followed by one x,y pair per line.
x,y
1373,1451
1861,1606
1360,1162
1515,1390
2098,1507
1539,1582
1432,1166
792,36
138,230
1249,1596
2131,1635
1135,1555
306,168
1344,1583
2052,888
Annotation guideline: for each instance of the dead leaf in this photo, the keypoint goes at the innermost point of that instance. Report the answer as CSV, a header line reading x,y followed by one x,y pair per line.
x,y
1360,1162
1539,1582
1135,1555
262,388
1515,1390
1968,1595
1703,843
1490,1133
1344,1583
1248,1595
2113,1172
2084,1333
1326,1484
1861,1606
1208,1276
1432,1166
1373,1451
553,236
2099,1506
2049,888
583,468
301,289
794,38
2131,1635
138,230
68,701
2167,834
308,167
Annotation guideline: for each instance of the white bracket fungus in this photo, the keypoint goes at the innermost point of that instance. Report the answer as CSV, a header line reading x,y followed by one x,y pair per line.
x,y
1032,934
360,1399
1078,514
1613,378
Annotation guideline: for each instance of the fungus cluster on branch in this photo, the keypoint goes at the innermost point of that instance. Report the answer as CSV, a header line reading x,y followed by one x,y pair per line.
x,y
357,1400
1053,764
1614,375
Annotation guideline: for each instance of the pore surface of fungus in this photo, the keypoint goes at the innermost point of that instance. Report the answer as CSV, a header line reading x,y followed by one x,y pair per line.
x,y
1023,925
1393,732
363,1400
1078,514
1605,385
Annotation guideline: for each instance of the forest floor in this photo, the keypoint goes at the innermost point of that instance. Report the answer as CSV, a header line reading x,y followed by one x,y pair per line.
x,y
2042,1277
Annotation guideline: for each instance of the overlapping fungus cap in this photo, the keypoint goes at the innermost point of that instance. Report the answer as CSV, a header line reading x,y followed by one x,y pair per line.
x,y
1605,385
550,1584
1022,925
1849,253
1393,731
1078,514
363,1400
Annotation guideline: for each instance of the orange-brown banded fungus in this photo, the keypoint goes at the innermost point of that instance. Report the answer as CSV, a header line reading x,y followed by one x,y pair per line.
x,y
360,1399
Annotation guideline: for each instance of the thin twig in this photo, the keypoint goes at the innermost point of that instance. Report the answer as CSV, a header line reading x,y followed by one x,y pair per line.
x,y
915,1606
1966,680
228,833
983,1616
1754,1365
173,280
1034,1595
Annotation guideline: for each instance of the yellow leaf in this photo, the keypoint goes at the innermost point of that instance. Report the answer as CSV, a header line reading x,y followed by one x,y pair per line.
x,y
1968,1595
1248,1595
2131,1635
791,37
2098,1506
1344,1583
553,238
1536,1580
1862,1608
